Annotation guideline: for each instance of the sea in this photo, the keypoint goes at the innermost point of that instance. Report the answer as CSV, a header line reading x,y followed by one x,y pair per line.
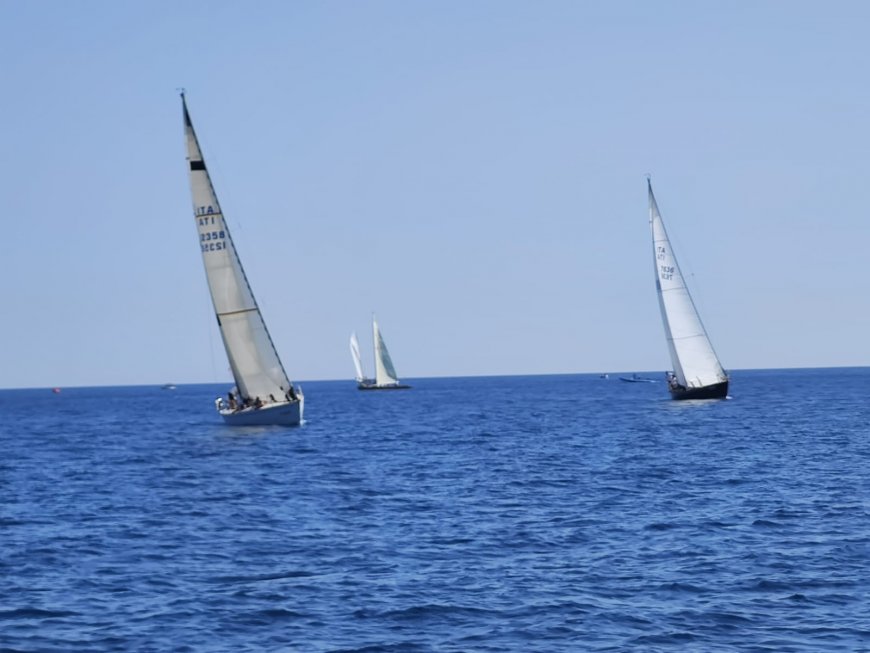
x,y
536,513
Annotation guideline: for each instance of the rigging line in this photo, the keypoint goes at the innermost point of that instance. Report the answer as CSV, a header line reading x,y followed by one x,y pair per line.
x,y
694,335
686,268
238,312
230,239
687,273
210,311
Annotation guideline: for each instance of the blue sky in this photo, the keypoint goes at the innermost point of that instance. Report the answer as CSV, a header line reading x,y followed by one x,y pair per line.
x,y
473,172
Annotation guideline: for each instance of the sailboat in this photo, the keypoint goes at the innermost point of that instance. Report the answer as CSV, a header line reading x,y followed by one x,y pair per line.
x,y
385,374
263,394
697,372
357,362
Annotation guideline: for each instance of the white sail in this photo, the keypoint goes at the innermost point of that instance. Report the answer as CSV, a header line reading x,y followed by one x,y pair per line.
x,y
695,363
357,360
254,362
385,373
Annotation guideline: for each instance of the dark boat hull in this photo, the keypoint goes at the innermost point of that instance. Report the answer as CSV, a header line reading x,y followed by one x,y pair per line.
x,y
397,386
715,391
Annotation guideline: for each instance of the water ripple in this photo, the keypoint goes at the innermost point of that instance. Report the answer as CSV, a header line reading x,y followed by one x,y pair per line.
x,y
504,514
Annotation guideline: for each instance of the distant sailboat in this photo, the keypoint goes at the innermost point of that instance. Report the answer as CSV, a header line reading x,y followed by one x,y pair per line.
x,y
357,362
697,374
263,394
385,374
634,378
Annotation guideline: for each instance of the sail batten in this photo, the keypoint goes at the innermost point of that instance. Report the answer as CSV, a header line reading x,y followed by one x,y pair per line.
x,y
694,361
254,362
244,310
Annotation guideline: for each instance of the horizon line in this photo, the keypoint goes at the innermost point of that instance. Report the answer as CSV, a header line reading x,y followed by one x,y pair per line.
x,y
454,376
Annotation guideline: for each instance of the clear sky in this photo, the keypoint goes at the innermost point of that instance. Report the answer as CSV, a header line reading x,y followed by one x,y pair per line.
x,y
471,171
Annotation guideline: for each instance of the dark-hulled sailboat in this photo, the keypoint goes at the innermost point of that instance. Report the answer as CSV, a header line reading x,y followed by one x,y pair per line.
x,y
697,373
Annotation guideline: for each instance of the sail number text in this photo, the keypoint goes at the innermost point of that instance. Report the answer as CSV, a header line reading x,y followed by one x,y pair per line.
x,y
210,241
666,272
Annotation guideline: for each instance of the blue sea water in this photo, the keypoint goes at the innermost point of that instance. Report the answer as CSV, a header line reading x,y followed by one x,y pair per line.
x,y
548,513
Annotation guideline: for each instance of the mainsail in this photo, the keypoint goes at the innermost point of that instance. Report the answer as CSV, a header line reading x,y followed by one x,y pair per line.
x,y
385,373
357,360
254,362
695,363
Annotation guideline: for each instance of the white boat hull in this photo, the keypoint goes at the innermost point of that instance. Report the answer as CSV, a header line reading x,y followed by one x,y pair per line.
x,y
283,414
386,386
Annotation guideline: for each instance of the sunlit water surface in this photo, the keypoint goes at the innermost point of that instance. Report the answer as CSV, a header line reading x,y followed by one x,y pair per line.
x,y
552,513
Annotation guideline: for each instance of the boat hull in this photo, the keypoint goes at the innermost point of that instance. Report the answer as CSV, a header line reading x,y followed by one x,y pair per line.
x,y
392,386
715,391
284,414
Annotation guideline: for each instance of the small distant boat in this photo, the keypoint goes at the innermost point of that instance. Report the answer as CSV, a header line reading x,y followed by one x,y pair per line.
x,y
385,374
263,394
56,391
168,386
697,374
634,378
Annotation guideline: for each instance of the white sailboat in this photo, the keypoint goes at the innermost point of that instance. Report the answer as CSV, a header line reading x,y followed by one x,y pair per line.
x,y
263,394
357,361
385,374
697,373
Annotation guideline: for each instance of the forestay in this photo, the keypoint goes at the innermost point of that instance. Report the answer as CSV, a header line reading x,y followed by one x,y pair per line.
x,y
695,363
255,365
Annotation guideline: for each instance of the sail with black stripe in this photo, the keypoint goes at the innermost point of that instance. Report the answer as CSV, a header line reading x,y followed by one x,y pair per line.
x,y
254,362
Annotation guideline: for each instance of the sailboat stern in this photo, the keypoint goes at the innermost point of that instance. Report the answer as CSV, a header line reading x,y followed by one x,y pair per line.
x,y
714,391
286,413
